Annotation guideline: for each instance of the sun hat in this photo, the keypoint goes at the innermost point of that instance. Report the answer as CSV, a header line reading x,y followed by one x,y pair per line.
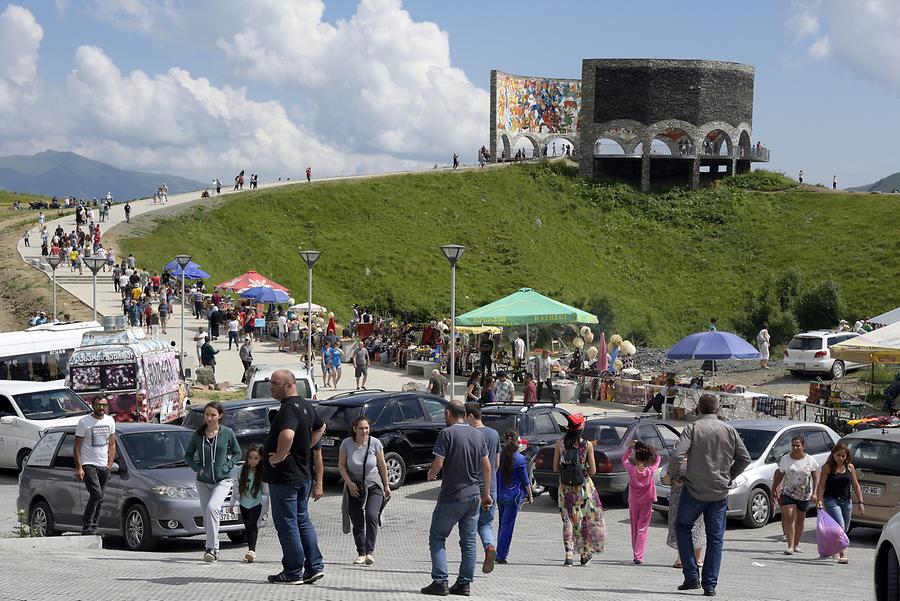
x,y
576,421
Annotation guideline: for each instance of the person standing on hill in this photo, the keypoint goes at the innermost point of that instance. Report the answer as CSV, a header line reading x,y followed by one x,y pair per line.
x,y
762,342
834,183
308,173
127,212
801,176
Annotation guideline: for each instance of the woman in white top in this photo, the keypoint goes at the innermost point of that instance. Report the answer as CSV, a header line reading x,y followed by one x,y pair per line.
x,y
798,475
762,341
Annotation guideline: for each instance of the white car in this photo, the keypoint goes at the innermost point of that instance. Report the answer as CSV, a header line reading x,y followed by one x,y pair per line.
x,y
887,565
259,386
29,408
809,352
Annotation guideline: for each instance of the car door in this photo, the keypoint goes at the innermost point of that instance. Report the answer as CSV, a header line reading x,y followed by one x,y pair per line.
x,y
434,411
668,435
419,431
817,444
62,489
10,432
647,433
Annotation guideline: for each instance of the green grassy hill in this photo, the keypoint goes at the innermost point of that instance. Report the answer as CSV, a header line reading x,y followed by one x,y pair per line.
x,y
656,266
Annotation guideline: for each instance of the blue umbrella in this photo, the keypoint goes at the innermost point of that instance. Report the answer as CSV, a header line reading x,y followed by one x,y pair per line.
x,y
191,272
264,294
713,345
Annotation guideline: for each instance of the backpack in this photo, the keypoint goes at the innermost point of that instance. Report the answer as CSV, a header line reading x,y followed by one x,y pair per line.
x,y
571,470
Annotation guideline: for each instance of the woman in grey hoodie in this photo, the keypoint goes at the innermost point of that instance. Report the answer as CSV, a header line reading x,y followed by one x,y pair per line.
x,y
213,452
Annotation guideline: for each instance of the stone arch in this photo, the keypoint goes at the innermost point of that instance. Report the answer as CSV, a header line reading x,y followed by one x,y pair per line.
x,y
679,137
718,143
505,147
628,133
609,146
731,134
744,144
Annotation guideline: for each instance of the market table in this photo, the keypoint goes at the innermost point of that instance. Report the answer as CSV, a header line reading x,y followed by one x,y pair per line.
x,y
424,366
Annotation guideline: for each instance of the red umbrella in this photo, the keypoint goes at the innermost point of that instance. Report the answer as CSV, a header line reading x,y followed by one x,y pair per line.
x,y
251,279
602,360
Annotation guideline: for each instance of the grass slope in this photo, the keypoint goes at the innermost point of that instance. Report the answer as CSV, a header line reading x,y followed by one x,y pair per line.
x,y
663,263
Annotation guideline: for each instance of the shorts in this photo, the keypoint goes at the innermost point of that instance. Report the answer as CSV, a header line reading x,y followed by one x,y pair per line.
x,y
362,370
802,506
295,335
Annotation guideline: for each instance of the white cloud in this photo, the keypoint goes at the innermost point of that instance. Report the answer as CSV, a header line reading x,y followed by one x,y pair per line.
x,y
20,38
862,34
145,16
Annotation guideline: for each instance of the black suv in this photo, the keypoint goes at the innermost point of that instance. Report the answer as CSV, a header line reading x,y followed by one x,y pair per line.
x,y
611,436
406,423
249,418
538,426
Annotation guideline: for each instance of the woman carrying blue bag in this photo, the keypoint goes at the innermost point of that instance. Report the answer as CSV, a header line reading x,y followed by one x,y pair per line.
x,y
513,485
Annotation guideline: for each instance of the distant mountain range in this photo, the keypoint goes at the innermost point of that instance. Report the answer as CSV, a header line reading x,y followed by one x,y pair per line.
x,y
887,184
60,174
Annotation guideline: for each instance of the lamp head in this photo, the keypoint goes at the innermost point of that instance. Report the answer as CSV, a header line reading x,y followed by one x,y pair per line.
x,y
310,256
453,252
54,261
182,260
95,264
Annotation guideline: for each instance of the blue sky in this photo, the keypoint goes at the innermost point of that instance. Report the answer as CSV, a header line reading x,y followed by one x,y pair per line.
x,y
207,86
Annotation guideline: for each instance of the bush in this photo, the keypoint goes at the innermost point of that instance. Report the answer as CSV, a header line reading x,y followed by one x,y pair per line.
x,y
761,180
819,307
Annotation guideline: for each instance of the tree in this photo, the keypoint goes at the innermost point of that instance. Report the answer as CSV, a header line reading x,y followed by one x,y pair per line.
x,y
819,307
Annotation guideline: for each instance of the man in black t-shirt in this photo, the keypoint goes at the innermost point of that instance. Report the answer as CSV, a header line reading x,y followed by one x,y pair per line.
x,y
486,347
295,429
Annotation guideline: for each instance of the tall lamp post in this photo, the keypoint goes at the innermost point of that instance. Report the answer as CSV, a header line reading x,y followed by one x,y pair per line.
x,y
454,253
182,261
95,264
54,261
310,256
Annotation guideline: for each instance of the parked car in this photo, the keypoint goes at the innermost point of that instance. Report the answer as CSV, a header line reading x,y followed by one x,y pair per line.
x,y
151,492
876,455
809,352
611,436
767,440
27,409
538,426
260,387
249,418
887,564
406,423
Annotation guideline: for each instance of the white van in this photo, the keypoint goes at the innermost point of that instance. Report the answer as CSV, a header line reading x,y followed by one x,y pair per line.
x,y
41,353
260,385
29,408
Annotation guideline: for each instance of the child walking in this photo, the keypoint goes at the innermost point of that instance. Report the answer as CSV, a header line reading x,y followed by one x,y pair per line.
x,y
253,496
641,493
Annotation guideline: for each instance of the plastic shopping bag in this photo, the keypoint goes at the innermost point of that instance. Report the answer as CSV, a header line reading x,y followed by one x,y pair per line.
x,y
830,537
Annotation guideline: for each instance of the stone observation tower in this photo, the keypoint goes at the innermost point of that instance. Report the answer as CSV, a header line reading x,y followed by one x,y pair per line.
x,y
660,121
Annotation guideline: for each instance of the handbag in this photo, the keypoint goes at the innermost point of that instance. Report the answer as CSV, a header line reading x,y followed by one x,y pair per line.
x,y
361,487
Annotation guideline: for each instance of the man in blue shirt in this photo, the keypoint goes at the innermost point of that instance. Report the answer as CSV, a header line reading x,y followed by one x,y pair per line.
x,y
461,453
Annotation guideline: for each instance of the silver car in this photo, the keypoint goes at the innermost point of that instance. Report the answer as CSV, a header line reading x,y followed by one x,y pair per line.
x,y
749,498
151,492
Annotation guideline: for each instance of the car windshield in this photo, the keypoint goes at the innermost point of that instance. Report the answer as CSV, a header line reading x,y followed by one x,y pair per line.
x,y
51,404
605,435
263,389
805,344
880,456
245,418
756,441
501,422
338,418
151,450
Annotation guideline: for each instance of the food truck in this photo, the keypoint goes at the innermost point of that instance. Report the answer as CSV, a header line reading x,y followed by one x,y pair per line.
x,y
139,376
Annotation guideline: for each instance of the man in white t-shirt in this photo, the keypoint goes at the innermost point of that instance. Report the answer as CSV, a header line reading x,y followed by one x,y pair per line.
x,y
95,449
282,332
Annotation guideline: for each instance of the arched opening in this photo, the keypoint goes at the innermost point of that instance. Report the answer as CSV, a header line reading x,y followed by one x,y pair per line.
x,y
504,152
673,141
608,147
525,148
638,150
558,147
717,143
659,147
744,144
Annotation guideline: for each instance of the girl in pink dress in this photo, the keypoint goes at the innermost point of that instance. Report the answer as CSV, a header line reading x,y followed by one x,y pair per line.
x,y
641,493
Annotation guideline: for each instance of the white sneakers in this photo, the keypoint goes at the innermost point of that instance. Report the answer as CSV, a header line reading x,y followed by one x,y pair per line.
x,y
250,557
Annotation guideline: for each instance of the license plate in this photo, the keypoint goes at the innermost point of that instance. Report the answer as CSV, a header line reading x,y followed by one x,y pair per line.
x,y
328,442
230,514
801,366
871,491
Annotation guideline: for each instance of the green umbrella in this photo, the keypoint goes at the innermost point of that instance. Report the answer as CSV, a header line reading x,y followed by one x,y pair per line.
x,y
524,307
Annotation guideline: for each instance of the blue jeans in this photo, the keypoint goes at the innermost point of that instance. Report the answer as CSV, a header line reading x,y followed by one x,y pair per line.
x,y
486,523
445,516
839,509
296,533
713,512
508,512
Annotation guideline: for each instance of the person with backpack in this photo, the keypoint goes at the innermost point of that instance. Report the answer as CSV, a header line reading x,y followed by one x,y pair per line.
x,y
584,528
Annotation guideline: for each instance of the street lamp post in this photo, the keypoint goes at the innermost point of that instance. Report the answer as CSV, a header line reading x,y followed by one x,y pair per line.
x,y
454,253
182,261
310,256
95,264
54,261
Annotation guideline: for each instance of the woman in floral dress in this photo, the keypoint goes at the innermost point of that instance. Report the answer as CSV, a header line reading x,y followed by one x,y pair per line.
x,y
584,529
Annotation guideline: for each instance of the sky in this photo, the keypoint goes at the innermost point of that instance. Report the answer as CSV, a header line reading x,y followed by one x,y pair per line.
x,y
204,88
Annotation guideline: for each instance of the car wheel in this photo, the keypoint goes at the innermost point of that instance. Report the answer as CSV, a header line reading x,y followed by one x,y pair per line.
x,y
136,527
554,494
396,470
759,509
796,373
237,537
892,577
837,370
21,457
663,514
625,497
41,520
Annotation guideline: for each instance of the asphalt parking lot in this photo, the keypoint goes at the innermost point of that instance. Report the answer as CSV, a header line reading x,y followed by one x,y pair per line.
x,y
753,566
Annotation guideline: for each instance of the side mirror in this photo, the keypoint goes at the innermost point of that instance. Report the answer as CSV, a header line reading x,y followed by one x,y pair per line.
x,y
8,420
118,468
